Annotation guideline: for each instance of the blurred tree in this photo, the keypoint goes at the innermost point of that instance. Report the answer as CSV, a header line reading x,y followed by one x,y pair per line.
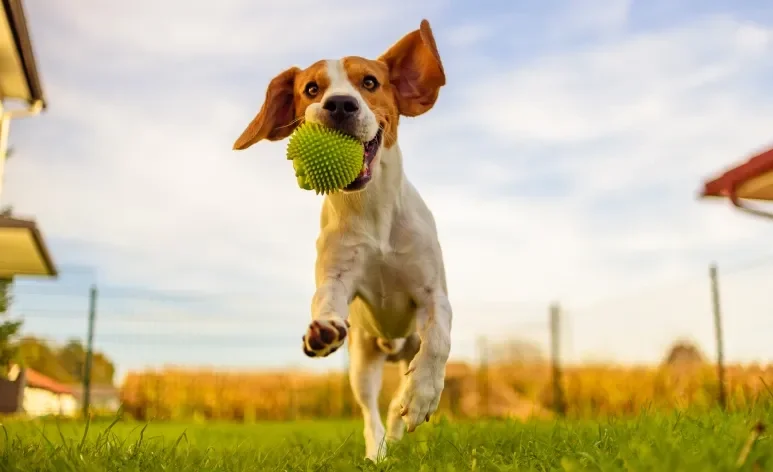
x,y
38,355
73,358
65,364
105,371
9,329
684,352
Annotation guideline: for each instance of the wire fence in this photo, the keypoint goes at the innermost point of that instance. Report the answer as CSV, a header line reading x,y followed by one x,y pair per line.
x,y
232,356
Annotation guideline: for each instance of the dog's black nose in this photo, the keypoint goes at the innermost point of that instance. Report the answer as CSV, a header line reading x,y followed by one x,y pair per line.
x,y
341,107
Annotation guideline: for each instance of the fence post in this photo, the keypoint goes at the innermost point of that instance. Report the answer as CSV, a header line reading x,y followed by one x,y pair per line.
x,y
722,397
555,343
89,352
346,411
484,392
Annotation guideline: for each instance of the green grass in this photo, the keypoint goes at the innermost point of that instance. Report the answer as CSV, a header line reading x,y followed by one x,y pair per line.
x,y
656,442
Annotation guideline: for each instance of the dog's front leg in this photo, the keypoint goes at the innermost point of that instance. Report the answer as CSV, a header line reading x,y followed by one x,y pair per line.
x,y
420,392
339,266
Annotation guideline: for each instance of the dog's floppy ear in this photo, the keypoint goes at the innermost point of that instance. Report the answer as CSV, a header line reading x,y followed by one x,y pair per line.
x,y
276,118
415,71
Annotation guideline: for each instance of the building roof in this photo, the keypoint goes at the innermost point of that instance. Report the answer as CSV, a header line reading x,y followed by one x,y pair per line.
x,y
749,180
752,179
35,379
18,69
22,250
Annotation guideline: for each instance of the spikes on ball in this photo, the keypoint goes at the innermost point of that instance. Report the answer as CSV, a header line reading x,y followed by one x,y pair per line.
x,y
325,160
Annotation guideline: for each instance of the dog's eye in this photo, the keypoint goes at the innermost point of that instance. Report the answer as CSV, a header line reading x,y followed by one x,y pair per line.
x,y
370,83
312,89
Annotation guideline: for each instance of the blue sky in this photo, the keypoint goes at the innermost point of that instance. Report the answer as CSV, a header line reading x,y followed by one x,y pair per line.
x,y
562,162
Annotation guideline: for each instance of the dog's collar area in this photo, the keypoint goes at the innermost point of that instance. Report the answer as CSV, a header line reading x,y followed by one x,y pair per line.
x,y
371,149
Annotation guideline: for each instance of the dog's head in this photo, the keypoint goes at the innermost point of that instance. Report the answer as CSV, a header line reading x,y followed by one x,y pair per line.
x,y
361,97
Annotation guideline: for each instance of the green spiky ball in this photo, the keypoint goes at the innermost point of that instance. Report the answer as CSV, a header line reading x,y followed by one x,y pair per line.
x,y
325,160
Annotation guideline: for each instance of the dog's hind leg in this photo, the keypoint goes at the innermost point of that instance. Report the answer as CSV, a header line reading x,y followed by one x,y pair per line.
x,y
366,369
395,424
408,349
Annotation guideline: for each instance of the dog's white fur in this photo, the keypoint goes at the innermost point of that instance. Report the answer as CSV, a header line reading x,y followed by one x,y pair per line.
x,y
379,249
380,273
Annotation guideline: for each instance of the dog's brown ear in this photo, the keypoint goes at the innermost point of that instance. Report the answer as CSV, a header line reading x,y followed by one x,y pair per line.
x,y
276,118
415,71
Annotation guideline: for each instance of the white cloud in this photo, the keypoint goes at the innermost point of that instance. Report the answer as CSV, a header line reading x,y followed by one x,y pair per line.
x,y
237,31
469,34
622,86
595,17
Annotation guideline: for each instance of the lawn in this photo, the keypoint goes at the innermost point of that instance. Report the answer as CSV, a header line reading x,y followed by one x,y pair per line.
x,y
656,442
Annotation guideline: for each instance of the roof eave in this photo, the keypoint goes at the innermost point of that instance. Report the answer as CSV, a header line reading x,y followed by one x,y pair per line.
x,y
750,180
37,238
726,184
17,21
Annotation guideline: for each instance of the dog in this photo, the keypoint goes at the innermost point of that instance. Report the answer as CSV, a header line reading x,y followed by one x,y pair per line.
x,y
379,273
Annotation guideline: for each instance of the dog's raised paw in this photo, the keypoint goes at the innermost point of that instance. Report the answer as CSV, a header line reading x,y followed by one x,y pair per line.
x,y
324,337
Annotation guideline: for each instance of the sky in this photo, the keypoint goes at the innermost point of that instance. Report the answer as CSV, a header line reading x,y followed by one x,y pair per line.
x,y
562,163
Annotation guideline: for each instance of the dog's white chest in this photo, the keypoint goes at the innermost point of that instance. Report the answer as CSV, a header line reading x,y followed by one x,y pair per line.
x,y
383,306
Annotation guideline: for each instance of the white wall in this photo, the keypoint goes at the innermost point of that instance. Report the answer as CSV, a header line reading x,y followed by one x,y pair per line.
x,y
39,402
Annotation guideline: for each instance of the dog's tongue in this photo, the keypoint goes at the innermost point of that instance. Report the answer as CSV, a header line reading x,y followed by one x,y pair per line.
x,y
365,169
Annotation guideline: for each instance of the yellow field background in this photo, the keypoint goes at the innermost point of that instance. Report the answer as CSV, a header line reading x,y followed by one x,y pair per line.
x,y
498,390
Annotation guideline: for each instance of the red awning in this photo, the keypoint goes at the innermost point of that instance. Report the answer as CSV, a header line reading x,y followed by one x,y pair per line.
x,y
751,180
37,380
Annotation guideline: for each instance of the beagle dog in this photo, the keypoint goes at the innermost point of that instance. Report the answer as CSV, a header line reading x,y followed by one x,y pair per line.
x,y
380,277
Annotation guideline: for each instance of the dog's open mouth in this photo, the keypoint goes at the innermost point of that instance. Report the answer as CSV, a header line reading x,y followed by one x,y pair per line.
x,y
371,149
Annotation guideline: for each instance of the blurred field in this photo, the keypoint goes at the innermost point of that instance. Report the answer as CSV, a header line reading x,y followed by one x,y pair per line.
x,y
515,390
650,441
